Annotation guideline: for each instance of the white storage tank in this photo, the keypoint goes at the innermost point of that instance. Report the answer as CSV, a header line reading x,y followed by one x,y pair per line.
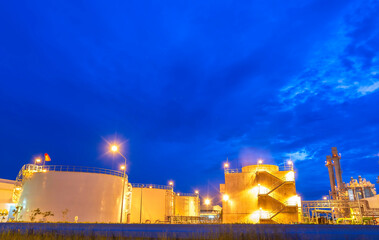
x,y
72,194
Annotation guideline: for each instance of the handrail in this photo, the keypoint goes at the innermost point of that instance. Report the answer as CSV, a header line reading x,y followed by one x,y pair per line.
x,y
155,186
282,167
188,194
236,170
285,167
65,168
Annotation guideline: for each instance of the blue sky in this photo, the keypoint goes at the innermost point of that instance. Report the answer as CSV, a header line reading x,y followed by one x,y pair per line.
x,y
186,84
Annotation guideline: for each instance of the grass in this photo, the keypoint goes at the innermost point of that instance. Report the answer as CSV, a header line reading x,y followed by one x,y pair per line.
x,y
60,231
32,235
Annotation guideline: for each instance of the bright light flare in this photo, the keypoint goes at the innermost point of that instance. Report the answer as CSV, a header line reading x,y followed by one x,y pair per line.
x,y
289,162
196,191
122,167
171,183
207,201
38,160
290,176
226,165
114,148
260,161
225,197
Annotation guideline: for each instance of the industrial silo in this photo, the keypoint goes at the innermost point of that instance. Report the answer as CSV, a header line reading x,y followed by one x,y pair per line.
x,y
72,194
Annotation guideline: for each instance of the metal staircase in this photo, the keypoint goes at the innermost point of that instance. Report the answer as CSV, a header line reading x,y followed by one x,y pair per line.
x,y
269,217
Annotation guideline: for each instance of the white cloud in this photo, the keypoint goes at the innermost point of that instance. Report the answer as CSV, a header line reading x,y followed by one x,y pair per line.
x,y
300,155
369,89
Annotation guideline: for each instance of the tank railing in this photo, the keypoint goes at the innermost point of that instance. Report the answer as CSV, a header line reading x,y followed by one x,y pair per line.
x,y
236,170
282,167
263,168
64,168
188,194
285,167
155,186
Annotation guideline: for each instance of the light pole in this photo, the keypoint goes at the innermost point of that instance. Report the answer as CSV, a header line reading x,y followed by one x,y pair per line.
x,y
114,149
171,183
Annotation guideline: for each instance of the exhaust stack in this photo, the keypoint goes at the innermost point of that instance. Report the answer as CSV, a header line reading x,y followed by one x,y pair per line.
x,y
330,166
336,159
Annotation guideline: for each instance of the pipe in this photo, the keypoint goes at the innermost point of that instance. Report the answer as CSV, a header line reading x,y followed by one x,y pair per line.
x,y
337,165
330,166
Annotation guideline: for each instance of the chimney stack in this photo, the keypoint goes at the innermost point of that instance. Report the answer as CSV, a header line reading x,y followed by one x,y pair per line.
x,y
330,166
336,159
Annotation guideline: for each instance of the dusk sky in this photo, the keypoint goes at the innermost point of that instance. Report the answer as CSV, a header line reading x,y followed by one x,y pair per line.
x,y
184,85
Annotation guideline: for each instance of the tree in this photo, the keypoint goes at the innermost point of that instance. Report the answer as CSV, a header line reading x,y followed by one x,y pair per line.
x,y
47,214
34,214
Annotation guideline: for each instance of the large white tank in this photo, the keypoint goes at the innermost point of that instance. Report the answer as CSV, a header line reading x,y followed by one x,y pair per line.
x,y
73,194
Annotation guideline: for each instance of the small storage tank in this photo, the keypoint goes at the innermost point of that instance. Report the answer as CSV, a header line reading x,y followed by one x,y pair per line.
x,y
187,204
151,203
72,194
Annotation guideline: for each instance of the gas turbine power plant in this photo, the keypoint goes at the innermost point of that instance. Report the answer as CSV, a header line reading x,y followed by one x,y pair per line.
x,y
256,194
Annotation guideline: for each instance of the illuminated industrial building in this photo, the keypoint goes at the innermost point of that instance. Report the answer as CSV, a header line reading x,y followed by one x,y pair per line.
x,y
260,194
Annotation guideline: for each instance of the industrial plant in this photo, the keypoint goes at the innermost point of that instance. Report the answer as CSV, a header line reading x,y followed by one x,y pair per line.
x,y
256,194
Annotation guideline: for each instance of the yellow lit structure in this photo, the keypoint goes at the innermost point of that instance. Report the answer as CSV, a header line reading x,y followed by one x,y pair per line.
x,y
6,204
151,203
187,204
158,203
260,194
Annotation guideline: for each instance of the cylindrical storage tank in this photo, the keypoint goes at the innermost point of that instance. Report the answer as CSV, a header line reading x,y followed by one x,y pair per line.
x,y
187,204
151,203
73,194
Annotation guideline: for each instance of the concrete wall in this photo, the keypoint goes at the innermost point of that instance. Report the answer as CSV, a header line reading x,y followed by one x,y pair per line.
x,y
156,205
245,205
93,197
